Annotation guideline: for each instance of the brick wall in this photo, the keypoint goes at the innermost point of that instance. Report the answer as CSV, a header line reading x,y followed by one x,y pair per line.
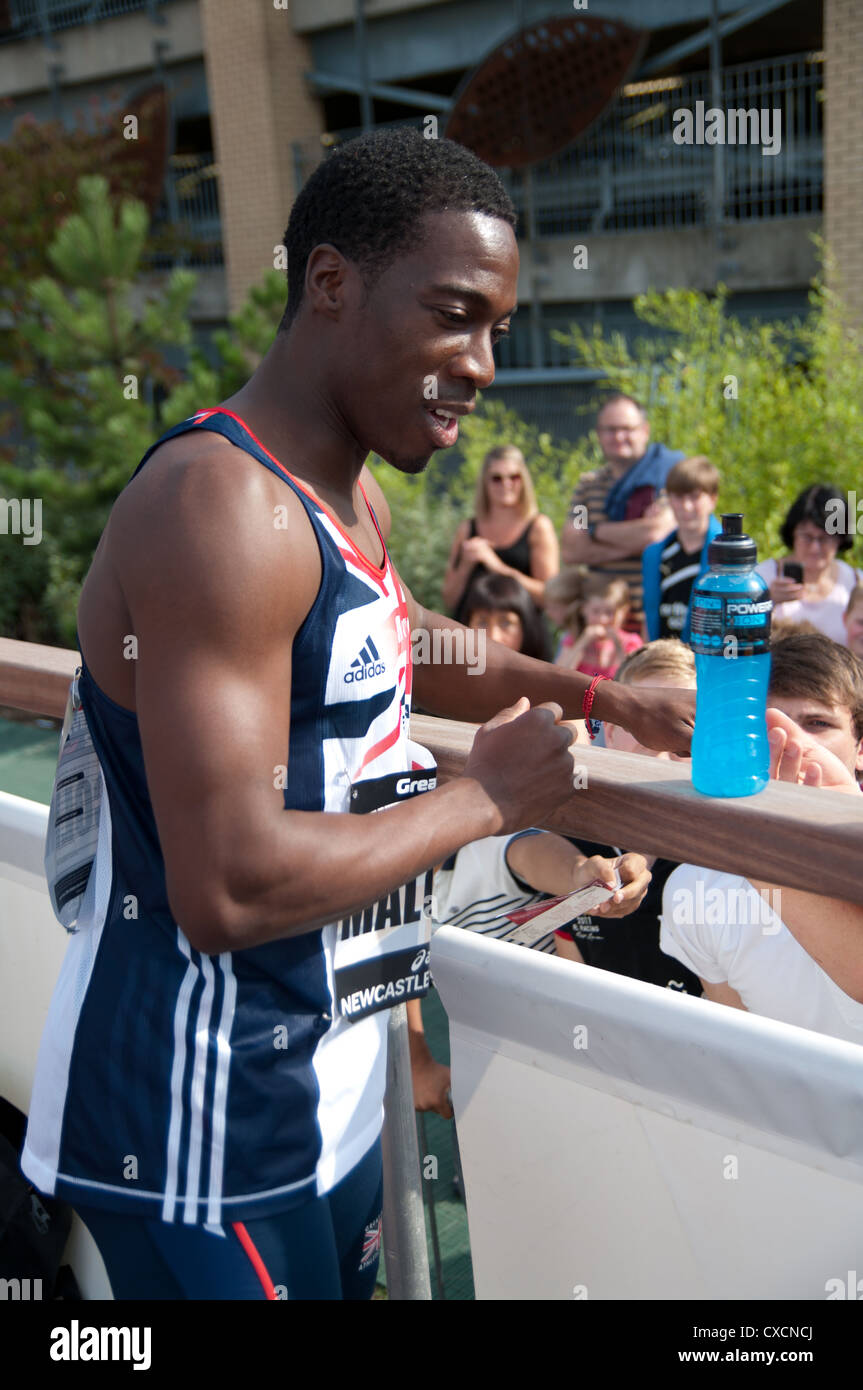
x,y
259,104
843,146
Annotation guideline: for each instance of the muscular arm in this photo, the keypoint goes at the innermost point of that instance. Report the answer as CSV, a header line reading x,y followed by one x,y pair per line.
x,y
216,593
454,690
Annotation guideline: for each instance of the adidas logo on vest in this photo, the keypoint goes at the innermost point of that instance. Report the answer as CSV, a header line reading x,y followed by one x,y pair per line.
x,y
366,665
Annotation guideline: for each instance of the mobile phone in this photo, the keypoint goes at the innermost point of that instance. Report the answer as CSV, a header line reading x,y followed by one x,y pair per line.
x,y
792,570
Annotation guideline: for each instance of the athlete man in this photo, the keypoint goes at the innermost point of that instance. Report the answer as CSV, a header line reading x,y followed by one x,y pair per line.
x,y
209,1090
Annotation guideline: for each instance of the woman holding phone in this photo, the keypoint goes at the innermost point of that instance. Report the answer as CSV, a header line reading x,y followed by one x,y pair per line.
x,y
812,584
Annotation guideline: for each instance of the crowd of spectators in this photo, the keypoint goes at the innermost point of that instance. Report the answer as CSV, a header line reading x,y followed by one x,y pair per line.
x,y
634,546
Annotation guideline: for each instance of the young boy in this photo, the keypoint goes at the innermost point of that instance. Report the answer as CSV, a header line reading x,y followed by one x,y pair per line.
x,y
631,946
780,952
485,880
671,567
477,887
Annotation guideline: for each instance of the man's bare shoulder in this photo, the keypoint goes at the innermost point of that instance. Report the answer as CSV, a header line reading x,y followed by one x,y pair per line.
x,y
204,512
195,467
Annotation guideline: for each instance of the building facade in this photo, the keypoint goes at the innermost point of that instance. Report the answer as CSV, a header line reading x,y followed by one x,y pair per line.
x,y
260,90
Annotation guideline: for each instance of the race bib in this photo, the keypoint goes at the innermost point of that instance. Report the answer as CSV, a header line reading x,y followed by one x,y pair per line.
x,y
382,952
73,820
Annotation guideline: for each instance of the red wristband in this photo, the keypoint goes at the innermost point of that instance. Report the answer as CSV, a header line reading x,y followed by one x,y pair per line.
x,y
587,704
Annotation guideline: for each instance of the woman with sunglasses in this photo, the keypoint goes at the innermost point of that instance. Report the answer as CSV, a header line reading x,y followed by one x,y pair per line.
x,y
812,584
506,535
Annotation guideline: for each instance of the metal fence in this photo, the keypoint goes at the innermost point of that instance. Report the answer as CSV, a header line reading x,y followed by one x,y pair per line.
x,y
187,226
27,19
627,172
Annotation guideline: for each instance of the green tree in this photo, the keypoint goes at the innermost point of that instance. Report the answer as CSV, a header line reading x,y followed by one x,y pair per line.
x,y
40,166
82,412
233,352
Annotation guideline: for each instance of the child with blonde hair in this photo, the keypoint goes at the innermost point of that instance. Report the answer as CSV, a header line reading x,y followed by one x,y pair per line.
x,y
595,641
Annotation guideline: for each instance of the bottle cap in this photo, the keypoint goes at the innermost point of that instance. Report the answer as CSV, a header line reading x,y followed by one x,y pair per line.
x,y
733,546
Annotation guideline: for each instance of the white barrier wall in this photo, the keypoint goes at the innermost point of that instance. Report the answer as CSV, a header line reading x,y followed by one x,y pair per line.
x,y
32,944
620,1141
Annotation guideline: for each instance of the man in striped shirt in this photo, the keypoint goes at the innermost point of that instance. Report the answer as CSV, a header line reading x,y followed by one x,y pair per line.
x,y
620,509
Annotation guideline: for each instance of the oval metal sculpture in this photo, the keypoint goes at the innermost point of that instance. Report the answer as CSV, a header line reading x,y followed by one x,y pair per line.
x,y
540,89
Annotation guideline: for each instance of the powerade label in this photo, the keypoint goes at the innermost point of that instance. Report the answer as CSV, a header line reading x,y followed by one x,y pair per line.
x,y
730,625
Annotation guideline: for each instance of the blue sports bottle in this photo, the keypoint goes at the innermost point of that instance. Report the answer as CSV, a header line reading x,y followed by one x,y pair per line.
x,y
730,636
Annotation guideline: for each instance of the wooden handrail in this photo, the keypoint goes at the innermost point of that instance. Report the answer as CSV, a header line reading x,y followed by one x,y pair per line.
x,y
35,678
797,836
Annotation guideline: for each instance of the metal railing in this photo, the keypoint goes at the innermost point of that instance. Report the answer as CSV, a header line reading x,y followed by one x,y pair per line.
x,y
187,225
627,172
31,19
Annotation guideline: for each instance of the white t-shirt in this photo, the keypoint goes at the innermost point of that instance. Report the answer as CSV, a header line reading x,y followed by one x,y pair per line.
x,y
720,927
823,613
476,888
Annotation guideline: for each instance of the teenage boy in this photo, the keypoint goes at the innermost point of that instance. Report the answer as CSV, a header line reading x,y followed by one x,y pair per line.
x,y
671,567
784,953
477,887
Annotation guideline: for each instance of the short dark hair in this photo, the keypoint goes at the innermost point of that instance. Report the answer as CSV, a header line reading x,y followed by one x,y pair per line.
x,y
367,197
814,504
500,593
621,396
810,664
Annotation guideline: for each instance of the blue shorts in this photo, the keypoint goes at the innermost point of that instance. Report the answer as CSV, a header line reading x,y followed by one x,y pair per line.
x,y
328,1248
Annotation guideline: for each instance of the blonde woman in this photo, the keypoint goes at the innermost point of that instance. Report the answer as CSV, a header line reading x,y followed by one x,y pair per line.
x,y
506,535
